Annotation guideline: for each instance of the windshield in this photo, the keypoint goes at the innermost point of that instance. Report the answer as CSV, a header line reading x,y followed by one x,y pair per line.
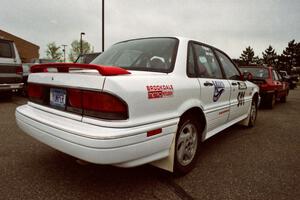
x,y
260,73
151,54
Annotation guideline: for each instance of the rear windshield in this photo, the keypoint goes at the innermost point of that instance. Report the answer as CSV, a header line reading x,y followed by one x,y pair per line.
x,y
151,54
261,73
5,49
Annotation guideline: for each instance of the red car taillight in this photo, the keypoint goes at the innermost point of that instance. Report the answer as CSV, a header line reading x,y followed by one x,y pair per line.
x,y
97,104
90,103
35,92
19,70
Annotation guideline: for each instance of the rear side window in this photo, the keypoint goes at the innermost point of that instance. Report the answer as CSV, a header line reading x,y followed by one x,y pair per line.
x,y
206,63
230,70
191,63
148,54
5,49
260,73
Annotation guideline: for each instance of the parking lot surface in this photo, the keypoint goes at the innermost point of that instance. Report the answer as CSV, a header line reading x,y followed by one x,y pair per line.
x,y
239,163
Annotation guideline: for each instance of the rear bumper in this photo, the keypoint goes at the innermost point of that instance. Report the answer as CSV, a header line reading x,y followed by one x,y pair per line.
x,y
10,86
266,95
125,147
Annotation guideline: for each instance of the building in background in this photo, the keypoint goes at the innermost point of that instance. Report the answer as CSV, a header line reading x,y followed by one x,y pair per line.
x,y
27,50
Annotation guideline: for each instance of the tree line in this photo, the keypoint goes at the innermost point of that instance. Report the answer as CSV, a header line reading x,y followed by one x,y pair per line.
x,y
56,52
287,60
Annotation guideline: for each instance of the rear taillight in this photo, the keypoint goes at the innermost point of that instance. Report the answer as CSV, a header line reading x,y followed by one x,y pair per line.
x,y
36,92
19,70
97,104
103,105
75,100
89,103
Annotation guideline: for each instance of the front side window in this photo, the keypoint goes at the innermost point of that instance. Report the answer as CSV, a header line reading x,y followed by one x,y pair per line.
x,y
150,54
207,64
230,70
5,50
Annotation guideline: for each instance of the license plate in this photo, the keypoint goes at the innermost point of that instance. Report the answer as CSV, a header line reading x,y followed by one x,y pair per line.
x,y
58,98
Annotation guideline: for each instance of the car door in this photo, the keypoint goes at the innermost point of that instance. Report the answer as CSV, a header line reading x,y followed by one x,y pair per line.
x,y
240,92
214,89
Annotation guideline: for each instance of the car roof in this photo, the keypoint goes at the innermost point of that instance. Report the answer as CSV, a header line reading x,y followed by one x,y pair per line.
x,y
255,66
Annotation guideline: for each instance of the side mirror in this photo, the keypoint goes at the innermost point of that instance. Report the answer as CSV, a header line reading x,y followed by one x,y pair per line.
x,y
247,76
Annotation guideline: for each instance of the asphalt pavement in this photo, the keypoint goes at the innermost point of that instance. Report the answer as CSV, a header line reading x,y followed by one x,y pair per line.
x,y
239,163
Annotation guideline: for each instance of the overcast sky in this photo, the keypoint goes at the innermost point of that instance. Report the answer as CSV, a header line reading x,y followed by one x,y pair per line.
x,y
230,25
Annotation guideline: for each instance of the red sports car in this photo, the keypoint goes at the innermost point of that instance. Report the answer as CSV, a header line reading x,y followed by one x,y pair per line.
x,y
271,84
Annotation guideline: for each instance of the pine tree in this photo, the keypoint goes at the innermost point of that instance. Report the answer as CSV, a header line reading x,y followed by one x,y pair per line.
x,y
270,56
290,56
248,56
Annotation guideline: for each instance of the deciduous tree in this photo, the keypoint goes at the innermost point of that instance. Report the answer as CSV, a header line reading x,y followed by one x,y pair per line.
x,y
53,51
75,49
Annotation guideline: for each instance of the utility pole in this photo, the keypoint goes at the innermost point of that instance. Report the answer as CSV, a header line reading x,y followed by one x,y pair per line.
x,y
81,34
102,25
64,50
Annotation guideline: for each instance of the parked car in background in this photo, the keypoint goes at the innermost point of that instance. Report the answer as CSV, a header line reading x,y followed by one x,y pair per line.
x,y
87,58
26,70
150,100
10,68
291,79
271,84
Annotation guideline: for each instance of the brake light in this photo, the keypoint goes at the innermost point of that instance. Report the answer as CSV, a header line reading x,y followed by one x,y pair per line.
x,y
19,70
96,104
35,92
90,103
75,98
103,105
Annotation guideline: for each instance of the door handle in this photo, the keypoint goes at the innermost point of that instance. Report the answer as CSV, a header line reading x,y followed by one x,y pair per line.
x,y
233,83
208,84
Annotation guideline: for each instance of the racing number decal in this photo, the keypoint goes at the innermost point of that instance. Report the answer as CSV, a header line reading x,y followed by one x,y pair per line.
x,y
241,98
241,94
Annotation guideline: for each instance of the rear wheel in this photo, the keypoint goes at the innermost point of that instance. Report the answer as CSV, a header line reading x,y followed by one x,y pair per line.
x,y
283,98
187,145
272,101
253,113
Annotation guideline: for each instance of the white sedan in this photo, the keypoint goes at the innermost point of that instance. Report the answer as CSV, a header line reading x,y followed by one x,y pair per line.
x,y
150,100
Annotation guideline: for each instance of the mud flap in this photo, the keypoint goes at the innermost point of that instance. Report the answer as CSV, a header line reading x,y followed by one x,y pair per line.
x,y
168,162
245,122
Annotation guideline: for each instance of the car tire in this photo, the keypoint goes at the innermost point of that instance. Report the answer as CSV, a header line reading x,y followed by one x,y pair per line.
x,y
272,101
283,99
253,113
187,145
7,95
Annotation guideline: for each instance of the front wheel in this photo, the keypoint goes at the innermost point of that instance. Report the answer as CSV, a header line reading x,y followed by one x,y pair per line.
x,y
187,145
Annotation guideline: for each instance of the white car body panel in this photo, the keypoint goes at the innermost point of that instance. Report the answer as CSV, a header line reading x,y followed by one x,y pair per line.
x,y
124,142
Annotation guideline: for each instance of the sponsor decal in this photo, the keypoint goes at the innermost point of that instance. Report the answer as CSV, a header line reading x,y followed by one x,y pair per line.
x,y
224,111
159,91
219,89
241,98
242,85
